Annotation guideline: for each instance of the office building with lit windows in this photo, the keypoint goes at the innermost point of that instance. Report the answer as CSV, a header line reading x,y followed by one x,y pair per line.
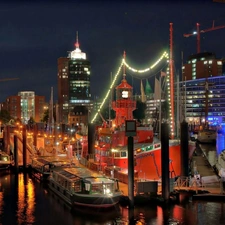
x,y
200,108
73,83
24,106
202,65
202,93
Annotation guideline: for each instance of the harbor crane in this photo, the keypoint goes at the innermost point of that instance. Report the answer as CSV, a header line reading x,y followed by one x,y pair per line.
x,y
219,1
8,79
198,32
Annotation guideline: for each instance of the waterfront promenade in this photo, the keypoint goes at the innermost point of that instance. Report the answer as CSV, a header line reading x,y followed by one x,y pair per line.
x,y
206,184
209,178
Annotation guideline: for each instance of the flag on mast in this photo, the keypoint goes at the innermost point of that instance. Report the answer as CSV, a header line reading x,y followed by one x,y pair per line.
x,y
148,89
143,97
157,90
163,74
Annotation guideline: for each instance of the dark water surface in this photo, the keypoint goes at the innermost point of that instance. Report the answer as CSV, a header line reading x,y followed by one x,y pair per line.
x,y
26,201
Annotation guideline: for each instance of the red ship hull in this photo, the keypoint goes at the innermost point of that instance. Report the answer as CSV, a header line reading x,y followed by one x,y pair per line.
x,y
148,165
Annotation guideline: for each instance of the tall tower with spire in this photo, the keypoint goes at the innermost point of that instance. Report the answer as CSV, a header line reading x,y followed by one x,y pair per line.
x,y
73,83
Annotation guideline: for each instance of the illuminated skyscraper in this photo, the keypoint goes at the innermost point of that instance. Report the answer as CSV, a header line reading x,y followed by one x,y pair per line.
x,y
73,82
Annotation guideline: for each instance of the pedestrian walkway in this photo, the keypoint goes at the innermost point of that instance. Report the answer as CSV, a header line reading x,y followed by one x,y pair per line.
x,y
204,177
200,164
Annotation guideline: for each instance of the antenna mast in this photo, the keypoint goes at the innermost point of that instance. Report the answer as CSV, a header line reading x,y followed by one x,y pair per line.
x,y
77,42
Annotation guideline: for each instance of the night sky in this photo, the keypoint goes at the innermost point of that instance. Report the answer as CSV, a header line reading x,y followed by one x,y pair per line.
x,y
34,35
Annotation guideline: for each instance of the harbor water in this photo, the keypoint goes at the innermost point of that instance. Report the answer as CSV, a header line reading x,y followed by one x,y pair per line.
x,y
26,201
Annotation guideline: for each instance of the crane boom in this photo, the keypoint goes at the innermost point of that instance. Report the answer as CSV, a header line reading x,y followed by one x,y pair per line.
x,y
203,31
212,28
8,79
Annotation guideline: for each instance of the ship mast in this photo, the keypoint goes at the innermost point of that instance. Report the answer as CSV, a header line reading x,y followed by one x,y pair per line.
x,y
124,66
51,117
171,63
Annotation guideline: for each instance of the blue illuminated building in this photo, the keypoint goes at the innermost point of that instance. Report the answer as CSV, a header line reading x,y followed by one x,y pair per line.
x,y
202,91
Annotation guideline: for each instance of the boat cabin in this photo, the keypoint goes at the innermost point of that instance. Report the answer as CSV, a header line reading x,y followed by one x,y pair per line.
x,y
84,181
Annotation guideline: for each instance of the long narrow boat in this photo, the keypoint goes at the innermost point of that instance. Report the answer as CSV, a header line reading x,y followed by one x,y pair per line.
x,y
83,187
41,166
6,160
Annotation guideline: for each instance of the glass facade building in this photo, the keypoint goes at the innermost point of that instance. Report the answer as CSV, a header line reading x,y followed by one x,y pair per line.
x,y
203,100
73,83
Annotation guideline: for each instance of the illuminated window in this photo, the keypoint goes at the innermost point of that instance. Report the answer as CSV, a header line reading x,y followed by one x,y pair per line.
x,y
219,63
194,60
205,62
194,65
210,61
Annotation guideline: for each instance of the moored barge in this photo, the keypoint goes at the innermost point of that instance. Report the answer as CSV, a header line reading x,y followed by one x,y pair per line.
x,y
83,187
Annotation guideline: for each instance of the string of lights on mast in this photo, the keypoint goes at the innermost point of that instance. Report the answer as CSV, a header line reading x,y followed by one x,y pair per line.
x,y
170,91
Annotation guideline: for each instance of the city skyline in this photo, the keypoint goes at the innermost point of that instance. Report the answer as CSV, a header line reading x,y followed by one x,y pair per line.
x,y
31,44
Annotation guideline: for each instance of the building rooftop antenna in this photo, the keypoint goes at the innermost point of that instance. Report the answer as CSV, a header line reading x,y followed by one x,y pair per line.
x,y
77,42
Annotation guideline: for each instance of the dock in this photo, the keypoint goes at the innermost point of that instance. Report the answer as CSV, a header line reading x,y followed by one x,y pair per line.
x,y
206,184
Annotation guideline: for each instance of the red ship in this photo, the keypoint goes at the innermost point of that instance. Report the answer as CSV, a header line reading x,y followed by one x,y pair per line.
x,y
110,149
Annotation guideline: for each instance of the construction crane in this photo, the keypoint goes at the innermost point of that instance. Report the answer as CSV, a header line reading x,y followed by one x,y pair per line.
x,y
219,1
198,32
8,79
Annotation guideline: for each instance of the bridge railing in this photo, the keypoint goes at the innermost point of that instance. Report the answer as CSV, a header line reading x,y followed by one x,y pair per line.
x,y
182,182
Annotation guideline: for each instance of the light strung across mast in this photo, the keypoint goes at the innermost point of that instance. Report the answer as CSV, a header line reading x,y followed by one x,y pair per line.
x,y
125,64
171,86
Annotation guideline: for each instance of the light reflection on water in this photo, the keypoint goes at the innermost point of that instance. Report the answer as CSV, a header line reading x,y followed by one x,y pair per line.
x,y
24,201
